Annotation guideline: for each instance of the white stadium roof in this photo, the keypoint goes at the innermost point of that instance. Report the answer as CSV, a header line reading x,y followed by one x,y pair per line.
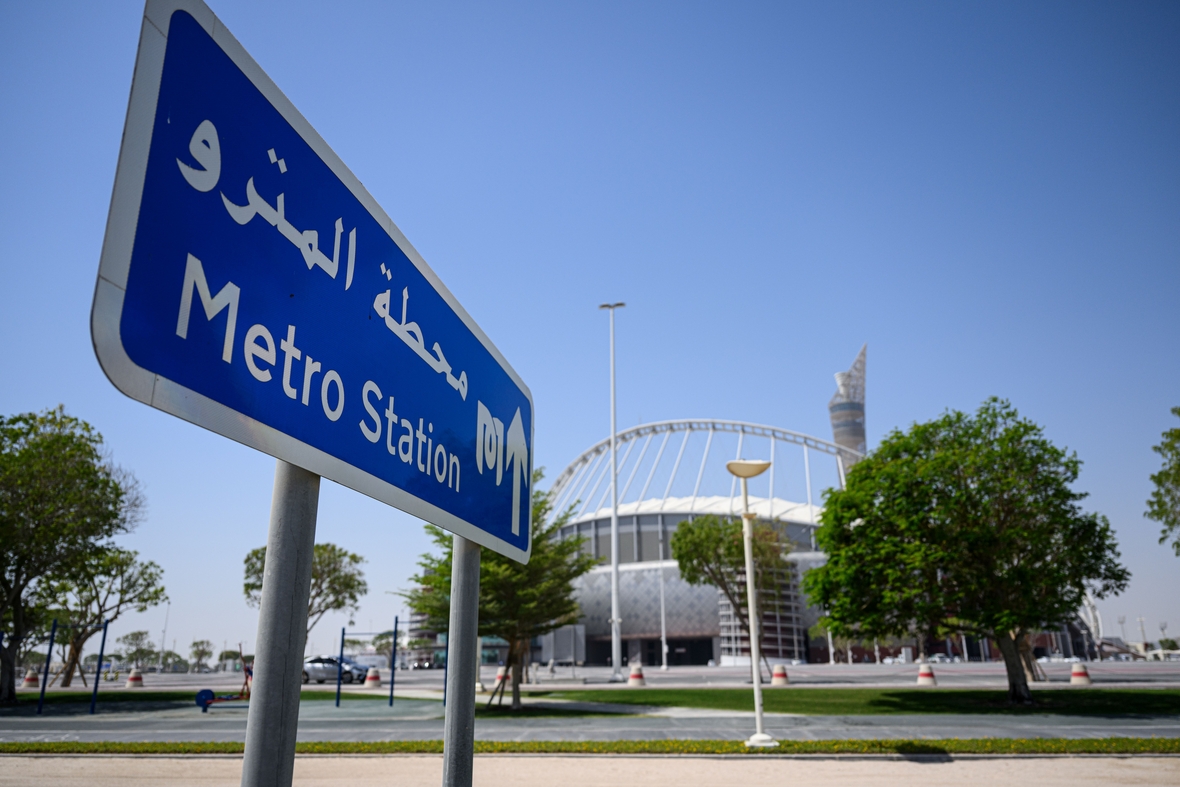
x,y
767,509
655,472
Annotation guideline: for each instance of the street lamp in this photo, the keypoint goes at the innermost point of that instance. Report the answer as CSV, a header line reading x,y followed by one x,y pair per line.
x,y
616,644
663,614
746,469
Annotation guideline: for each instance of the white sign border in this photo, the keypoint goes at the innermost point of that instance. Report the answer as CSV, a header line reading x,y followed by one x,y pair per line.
x,y
115,263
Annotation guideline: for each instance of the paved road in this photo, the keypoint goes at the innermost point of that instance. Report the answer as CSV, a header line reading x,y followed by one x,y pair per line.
x,y
971,675
423,720
494,771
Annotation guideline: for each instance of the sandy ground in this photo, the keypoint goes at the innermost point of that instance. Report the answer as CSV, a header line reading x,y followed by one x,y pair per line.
x,y
607,771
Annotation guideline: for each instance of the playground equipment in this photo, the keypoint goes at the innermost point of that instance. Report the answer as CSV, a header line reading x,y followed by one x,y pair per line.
x,y
206,697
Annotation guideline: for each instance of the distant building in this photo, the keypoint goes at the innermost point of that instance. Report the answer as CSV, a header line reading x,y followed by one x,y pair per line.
x,y
425,647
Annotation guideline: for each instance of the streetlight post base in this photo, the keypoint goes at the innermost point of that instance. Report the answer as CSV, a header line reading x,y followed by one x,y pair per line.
x,y
762,740
617,678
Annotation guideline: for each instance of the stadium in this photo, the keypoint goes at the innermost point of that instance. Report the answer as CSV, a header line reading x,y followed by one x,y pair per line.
x,y
673,471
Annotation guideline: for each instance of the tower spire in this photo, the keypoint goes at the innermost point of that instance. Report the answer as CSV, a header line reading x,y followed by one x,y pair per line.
x,y
847,406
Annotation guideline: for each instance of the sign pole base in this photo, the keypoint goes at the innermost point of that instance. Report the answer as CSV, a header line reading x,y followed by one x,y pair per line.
x,y
282,629
462,648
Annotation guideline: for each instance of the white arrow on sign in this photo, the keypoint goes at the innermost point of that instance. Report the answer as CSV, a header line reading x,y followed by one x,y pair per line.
x,y
518,456
497,450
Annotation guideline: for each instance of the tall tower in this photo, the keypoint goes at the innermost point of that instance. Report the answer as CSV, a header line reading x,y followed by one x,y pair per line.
x,y
847,407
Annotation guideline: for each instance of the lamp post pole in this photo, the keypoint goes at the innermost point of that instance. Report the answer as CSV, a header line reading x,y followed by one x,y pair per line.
x,y
746,469
616,643
663,615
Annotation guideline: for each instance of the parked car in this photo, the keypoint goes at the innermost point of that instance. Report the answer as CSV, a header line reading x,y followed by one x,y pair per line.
x,y
324,668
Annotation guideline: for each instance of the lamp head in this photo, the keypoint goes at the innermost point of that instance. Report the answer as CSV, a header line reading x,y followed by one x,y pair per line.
x,y
611,305
747,468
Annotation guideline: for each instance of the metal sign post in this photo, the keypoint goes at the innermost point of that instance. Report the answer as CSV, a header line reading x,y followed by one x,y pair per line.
x,y
98,670
48,659
251,285
272,720
462,644
340,668
393,662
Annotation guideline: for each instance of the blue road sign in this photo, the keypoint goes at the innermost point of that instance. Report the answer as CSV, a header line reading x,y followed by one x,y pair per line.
x,y
250,284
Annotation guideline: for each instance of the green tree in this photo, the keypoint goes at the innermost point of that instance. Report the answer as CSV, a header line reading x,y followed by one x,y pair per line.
x,y
517,601
711,551
337,581
104,584
60,501
969,524
199,651
171,660
1164,504
138,649
383,642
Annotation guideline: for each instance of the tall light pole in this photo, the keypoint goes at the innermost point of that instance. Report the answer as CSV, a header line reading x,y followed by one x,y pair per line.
x,y
616,642
663,616
746,469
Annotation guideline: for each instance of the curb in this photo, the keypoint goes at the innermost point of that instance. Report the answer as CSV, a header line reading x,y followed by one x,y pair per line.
x,y
877,757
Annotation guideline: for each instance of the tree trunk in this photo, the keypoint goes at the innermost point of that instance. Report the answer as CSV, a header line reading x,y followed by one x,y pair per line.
x,y
1032,671
8,671
73,658
517,668
1018,691
73,665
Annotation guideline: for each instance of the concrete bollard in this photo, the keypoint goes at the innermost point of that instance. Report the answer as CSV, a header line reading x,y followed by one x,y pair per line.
x,y
31,681
779,676
1079,676
134,680
636,678
926,676
372,679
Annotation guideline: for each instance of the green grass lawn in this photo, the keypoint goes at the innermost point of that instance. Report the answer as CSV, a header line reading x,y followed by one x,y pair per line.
x,y
812,702
838,702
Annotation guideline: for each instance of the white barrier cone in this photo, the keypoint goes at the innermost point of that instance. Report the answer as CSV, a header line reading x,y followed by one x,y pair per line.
x,y
779,676
134,680
1079,676
31,680
372,679
926,676
636,678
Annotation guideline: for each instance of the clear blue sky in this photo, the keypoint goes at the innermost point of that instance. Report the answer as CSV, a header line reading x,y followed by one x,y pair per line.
x,y
987,194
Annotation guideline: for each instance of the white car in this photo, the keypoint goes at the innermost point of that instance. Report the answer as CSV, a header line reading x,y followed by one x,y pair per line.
x,y
324,668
